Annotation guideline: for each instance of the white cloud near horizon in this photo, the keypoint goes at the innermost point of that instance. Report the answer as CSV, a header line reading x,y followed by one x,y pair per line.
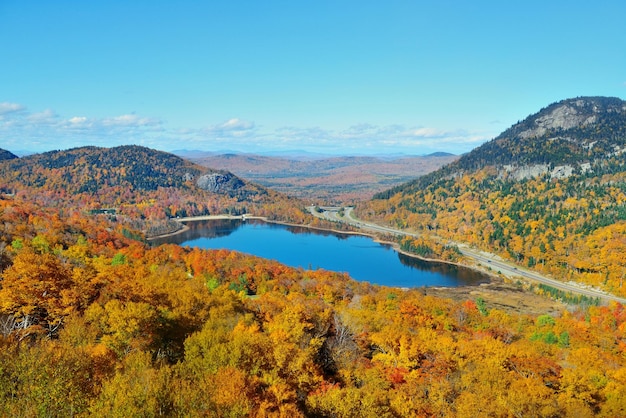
x,y
23,130
131,120
47,116
231,128
6,107
428,133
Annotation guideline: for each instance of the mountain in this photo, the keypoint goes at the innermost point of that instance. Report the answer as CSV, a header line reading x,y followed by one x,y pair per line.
x,y
6,155
572,132
439,154
129,168
548,193
573,135
143,187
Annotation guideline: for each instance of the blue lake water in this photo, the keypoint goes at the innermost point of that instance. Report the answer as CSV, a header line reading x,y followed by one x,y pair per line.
x,y
361,257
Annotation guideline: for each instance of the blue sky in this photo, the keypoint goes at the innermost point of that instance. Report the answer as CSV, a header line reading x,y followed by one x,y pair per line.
x,y
335,77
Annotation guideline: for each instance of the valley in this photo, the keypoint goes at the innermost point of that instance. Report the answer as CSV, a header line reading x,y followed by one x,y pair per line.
x,y
94,321
318,209
335,180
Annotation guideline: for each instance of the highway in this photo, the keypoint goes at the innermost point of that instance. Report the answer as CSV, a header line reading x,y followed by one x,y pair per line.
x,y
486,259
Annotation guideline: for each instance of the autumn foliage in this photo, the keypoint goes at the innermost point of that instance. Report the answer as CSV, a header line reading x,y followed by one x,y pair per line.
x,y
571,229
94,323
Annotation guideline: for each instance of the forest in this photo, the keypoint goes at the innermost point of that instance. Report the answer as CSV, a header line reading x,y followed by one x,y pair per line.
x,y
95,322
571,229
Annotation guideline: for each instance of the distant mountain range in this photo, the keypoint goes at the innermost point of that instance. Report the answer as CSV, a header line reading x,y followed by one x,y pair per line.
x,y
333,179
299,155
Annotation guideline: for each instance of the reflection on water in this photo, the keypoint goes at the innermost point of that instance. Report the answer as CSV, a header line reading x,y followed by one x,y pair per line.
x,y
200,229
462,273
361,257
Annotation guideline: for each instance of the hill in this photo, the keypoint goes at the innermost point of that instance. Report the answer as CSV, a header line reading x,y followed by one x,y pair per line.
x,y
6,155
549,192
148,186
572,132
566,137
327,179
131,168
439,154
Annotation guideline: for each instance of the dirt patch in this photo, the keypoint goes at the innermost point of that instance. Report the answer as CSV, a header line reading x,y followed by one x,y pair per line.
x,y
502,295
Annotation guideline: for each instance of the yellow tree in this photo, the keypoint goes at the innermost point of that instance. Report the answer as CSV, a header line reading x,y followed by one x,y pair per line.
x,y
36,292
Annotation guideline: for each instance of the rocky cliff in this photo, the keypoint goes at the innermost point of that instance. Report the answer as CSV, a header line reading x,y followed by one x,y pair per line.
x,y
220,183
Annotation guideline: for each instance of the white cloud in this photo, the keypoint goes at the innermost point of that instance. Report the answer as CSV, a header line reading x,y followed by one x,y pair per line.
x,y
360,130
371,139
428,133
77,120
6,107
46,130
231,128
236,125
130,120
46,117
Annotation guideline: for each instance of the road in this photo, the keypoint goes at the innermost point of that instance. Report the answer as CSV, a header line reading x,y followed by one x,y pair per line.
x,y
487,259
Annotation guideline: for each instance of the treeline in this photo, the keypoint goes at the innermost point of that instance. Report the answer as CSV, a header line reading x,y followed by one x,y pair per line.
x,y
430,249
6,155
93,323
566,297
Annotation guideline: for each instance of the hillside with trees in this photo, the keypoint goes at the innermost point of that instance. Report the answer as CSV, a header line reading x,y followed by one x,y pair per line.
x,y
6,155
146,186
548,193
93,323
92,169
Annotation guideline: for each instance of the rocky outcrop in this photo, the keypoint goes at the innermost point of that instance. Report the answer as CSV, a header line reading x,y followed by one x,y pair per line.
x,y
530,171
223,183
566,116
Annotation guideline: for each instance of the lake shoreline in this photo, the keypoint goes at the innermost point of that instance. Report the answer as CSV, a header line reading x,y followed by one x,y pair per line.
x,y
491,277
497,291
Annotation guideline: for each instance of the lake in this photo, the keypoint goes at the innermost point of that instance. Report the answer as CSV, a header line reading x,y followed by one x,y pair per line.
x,y
359,256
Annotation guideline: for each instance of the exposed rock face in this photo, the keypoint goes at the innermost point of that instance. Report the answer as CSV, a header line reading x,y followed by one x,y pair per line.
x,y
530,171
219,182
525,172
564,117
